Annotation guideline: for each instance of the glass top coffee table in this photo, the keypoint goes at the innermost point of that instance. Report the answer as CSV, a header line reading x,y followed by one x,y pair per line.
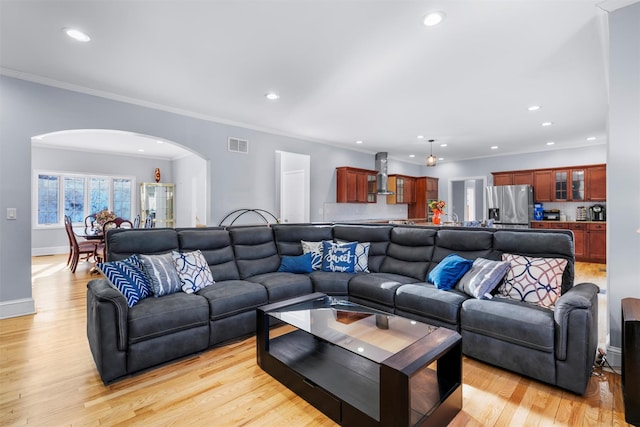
x,y
361,366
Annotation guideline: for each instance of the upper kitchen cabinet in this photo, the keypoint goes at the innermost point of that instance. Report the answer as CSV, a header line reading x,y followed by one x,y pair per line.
x,y
513,178
502,178
569,184
426,189
404,189
597,183
356,185
542,180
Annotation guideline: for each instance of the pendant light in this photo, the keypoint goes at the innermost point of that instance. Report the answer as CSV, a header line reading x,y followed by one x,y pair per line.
x,y
431,160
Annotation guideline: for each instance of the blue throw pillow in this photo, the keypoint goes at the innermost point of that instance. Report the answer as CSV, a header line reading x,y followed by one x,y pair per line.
x,y
446,274
338,256
296,264
128,277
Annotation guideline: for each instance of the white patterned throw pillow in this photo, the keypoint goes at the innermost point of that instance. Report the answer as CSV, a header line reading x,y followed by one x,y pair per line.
x,y
533,280
315,249
193,270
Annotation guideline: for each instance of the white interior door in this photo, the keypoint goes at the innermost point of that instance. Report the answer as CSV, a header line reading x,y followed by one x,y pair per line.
x,y
292,197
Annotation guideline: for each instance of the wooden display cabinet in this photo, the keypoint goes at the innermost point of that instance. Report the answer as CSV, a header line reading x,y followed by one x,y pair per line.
x,y
356,185
404,189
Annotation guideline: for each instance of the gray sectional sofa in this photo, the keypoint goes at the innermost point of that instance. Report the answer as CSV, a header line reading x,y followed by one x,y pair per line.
x,y
554,346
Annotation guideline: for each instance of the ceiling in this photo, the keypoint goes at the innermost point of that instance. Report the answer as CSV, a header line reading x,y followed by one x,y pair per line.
x,y
345,70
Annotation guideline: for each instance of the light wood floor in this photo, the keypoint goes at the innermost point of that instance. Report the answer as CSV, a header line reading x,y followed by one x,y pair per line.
x,y
48,378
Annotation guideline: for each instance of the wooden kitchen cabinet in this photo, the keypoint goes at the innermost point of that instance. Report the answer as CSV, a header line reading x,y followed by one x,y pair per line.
x,y
426,189
579,240
597,183
523,178
536,224
404,189
542,185
355,185
597,242
503,178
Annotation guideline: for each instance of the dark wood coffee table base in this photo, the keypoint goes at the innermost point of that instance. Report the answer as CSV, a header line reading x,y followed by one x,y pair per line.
x,y
420,385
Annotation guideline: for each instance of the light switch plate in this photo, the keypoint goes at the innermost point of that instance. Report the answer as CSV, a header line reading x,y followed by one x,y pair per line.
x,y
11,213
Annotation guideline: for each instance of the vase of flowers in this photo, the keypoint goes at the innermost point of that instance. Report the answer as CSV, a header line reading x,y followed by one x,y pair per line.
x,y
103,216
437,207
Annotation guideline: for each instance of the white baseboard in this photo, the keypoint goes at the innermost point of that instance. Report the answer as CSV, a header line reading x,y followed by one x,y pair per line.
x,y
18,307
614,357
53,250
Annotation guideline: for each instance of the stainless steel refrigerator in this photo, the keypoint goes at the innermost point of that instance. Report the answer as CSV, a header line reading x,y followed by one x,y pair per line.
x,y
510,206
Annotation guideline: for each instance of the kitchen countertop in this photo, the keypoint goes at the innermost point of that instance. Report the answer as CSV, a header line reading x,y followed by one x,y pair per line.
x,y
570,221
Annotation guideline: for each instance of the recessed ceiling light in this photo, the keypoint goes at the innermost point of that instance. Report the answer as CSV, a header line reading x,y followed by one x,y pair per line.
x,y
433,18
494,147
440,159
359,142
534,108
159,142
547,123
412,155
591,138
550,143
76,34
272,96
420,136
443,145
141,150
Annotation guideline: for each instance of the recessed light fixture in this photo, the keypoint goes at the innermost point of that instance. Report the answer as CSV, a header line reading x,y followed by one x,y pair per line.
x,y
433,18
534,108
141,150
159,142
272,96
591,138
545,124
359,141
412,155
420,137
443,145
77,34
494,147
440,159
550,143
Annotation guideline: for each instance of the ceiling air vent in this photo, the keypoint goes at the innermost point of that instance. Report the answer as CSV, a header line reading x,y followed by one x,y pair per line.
x,y
238,145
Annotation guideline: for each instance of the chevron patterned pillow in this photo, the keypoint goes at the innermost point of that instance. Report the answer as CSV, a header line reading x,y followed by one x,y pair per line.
x,y
128,277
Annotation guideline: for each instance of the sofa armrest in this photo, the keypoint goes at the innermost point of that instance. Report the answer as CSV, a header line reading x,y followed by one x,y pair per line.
x,y
107,313
583,296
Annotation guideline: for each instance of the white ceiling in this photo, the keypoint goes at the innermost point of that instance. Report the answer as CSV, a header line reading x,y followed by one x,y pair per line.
x,y
346,70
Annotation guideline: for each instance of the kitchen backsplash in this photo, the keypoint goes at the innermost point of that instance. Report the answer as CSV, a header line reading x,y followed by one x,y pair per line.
x,y
364,211
569,208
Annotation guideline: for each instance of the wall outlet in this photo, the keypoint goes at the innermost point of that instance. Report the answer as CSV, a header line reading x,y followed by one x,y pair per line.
x,y
12,213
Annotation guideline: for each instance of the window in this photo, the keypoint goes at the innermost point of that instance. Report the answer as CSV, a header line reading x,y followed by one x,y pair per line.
x,y
78,195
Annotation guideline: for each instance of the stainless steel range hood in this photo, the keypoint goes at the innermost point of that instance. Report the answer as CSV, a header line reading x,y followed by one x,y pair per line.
x,y
381,168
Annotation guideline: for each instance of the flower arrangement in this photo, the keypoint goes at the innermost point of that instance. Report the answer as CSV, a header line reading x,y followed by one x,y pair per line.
x,y
437,205
103,216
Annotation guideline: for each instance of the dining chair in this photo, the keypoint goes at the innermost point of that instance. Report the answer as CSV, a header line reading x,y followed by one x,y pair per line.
x,y
148,223
89,221
114,223
76,249
136,221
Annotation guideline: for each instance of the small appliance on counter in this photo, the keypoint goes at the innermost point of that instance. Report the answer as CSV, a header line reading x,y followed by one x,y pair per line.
x,y
581,213
537,211
551,215
598,213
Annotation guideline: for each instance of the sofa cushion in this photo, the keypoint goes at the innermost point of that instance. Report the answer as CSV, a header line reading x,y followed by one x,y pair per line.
x,y
296,264
154,317
289,236
162,274
232,297
483,277
377,287
533,280
124,242
446,274
409,252
376,235
525,325
193,270
469,244
128,277
281,286
338,256
255,250
215,245
426,300
331,283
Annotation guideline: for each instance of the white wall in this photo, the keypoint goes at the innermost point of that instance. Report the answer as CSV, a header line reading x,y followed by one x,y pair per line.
x,y
623,166
191,177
